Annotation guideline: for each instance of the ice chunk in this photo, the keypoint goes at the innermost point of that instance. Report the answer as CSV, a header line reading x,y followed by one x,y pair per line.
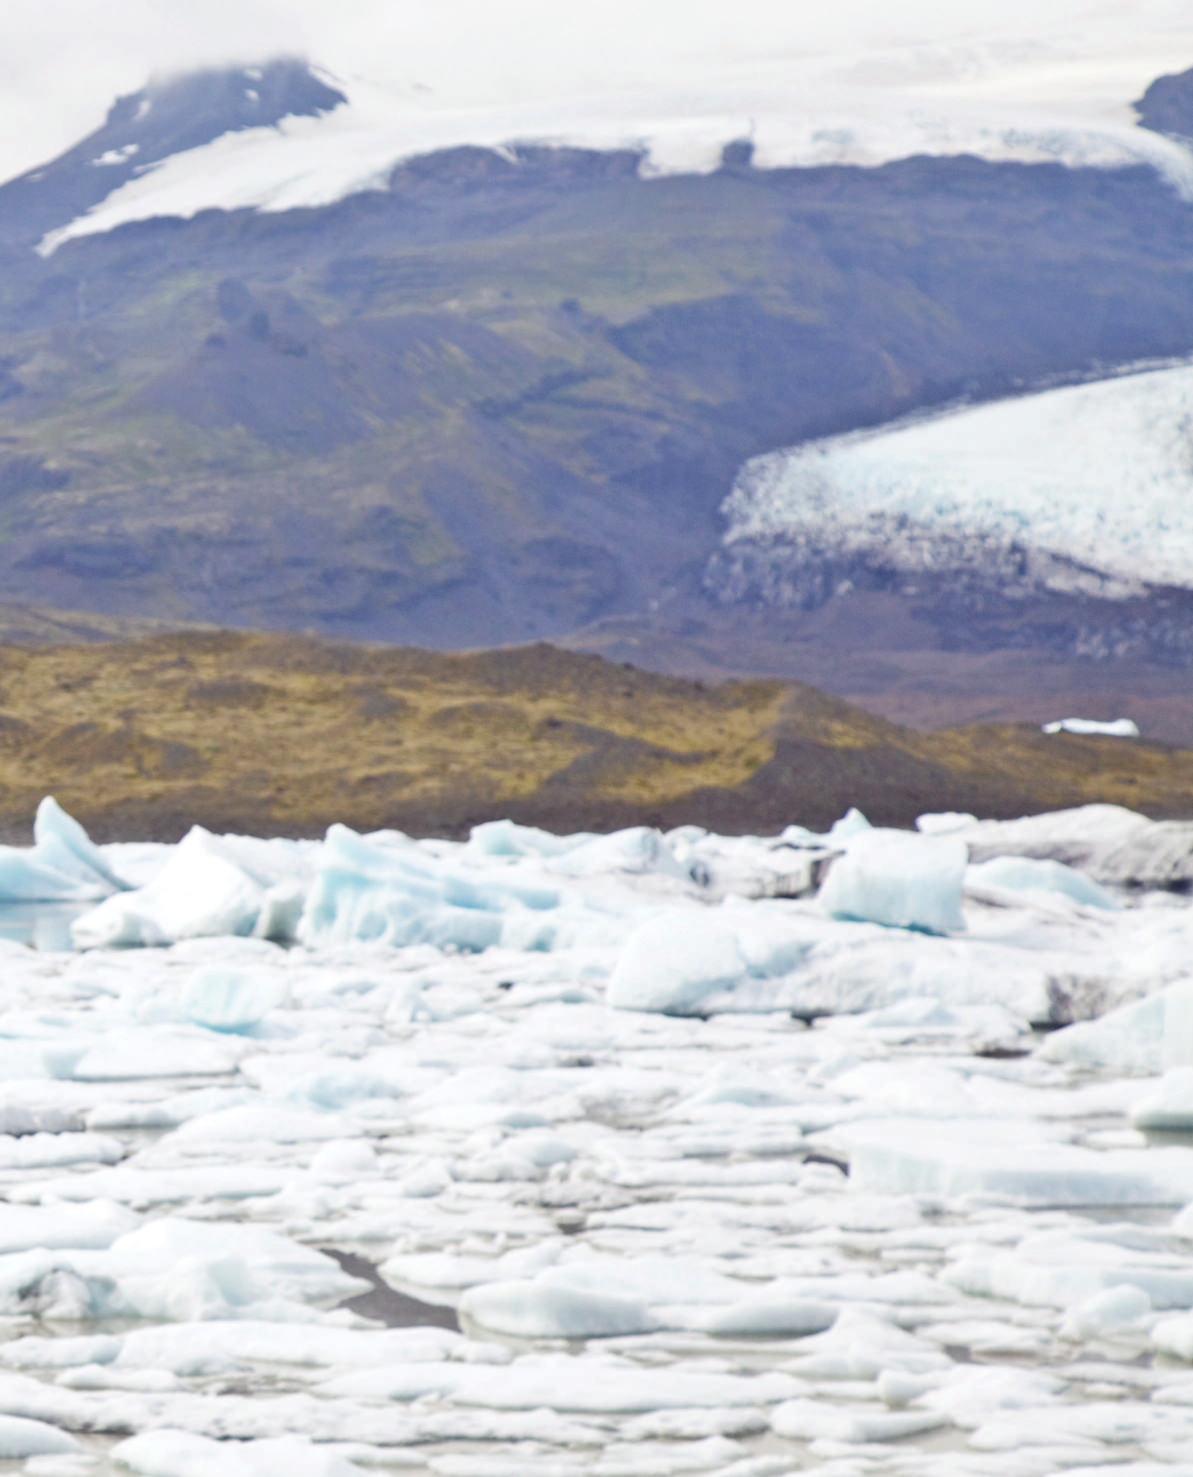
x,y
636,850
1122,1309
95,1224
1110,843
910,1156
537,1308
20,1437
1169,1105
1116,728
506,838
181,1269
167,1453
1028,874
401,895
852,823
63,865
591,1385
231,1000
595,1297
146,1052
345,1161
1059,1269
200,892
675,960
258,1122
1176,1046
900,880
940,823
61,841
1146,1036
862,1346
281,912
810,1420
1175,1336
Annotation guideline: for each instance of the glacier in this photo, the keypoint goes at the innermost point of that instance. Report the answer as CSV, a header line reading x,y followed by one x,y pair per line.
x,y
1083,489
1005,86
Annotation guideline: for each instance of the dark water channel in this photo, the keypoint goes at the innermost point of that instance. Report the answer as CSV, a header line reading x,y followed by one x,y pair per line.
x,y
394,1309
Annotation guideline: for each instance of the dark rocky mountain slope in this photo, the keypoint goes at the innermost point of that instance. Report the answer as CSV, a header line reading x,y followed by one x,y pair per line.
x,y
503,399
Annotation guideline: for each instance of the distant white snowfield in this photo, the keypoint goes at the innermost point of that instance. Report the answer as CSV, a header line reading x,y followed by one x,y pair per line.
x,y
1089,486
1052,81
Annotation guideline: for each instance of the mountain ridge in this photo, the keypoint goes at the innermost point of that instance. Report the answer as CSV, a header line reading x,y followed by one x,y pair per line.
x,y
504,398
281,734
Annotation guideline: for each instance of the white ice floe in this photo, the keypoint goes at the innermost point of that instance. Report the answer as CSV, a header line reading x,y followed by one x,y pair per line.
x,y
183,1454
1009,1162
596,1297
706,1165
1030,874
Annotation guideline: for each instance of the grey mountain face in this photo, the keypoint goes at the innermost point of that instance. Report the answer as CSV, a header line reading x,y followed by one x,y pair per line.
x,y
504,398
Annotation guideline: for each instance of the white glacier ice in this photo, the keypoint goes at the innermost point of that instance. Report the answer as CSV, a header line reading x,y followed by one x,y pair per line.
x,y
1089,483
855,86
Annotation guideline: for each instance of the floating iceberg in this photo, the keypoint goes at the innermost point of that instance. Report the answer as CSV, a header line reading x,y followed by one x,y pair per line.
x,y
200,892
395,893
1028,874
64,865
898,879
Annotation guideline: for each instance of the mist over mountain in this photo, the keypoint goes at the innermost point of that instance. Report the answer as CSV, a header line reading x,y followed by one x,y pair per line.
x,y
503,392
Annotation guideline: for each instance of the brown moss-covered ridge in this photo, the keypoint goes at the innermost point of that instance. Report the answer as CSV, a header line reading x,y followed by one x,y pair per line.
x,y
283,734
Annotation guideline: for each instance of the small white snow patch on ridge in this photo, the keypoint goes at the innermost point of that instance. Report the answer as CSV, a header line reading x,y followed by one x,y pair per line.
x,y
1117,728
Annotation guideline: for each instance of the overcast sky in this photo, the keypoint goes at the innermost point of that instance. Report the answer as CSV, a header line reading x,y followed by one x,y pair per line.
x,y
63,61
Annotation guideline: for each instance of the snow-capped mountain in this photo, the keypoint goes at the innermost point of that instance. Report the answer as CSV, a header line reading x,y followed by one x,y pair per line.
x,y
313,157
285,351
1081,490
791,94
171,118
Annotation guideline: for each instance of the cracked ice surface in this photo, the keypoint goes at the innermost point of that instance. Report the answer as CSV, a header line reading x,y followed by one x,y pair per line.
x,y
718,1174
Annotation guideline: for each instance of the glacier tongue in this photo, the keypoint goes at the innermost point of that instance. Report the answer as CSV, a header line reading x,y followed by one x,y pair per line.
x,y
1086,489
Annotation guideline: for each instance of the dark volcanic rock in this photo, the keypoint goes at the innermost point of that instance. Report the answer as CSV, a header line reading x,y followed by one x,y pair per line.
x,y
1167,105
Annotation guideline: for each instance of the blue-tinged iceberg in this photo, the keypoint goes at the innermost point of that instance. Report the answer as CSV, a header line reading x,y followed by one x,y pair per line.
x,y
63,865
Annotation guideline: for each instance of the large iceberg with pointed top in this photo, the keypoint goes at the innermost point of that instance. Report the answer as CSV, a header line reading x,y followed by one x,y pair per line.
x,y
63,865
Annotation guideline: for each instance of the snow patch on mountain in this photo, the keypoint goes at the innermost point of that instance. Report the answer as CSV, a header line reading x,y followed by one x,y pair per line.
x,y
310,162
1086,489
1037,102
